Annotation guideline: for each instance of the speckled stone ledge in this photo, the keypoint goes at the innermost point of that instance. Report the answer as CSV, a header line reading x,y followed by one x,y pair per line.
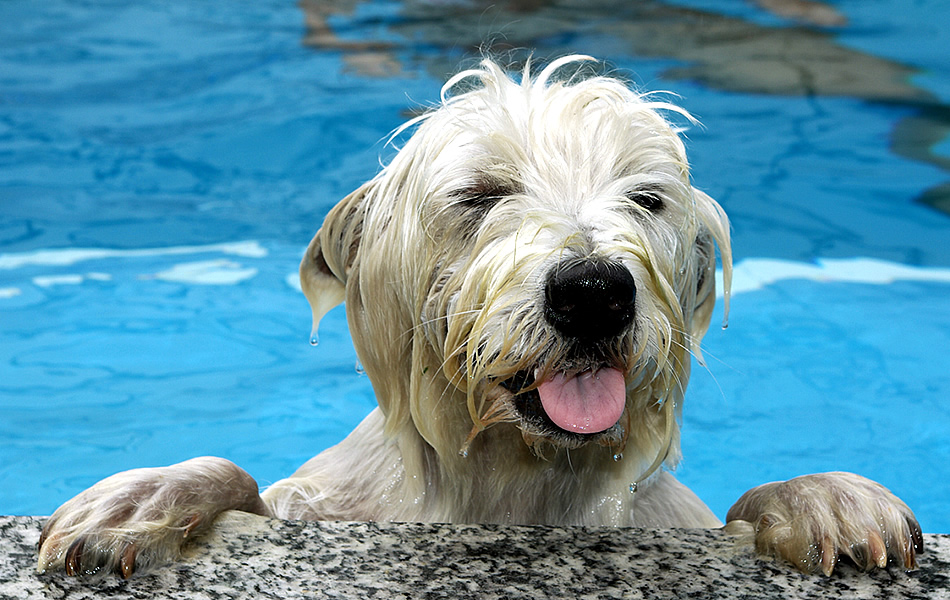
x,y
252,557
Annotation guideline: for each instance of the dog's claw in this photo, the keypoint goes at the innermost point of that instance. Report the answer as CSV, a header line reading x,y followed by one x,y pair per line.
x,y
190,525
912,546
878,549
73,560
917,535
829,555
126,566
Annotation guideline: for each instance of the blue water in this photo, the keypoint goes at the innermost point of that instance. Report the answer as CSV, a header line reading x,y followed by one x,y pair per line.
x,y
194,147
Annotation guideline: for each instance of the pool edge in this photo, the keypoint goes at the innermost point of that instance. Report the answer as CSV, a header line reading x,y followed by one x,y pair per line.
x,y
249,556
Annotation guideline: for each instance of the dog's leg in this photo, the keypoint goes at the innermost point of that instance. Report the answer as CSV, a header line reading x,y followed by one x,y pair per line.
x,y
813,520
665,502
143,517
360,479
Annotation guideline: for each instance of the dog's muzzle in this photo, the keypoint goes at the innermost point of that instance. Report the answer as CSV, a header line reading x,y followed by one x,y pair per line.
x,y
590,304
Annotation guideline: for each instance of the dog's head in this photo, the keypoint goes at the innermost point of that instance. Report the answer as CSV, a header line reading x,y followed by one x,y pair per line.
x,y
535,254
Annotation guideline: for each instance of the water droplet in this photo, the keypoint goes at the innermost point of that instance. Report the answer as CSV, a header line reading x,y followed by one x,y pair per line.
x,y
618,457
314,338
359,368
633,487
463,452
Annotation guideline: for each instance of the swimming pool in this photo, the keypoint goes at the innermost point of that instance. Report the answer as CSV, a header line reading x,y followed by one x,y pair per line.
x,y
163,165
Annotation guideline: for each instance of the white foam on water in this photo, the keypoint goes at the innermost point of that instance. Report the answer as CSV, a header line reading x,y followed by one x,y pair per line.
x,y
48,281
61,257
293,280
214,272
207,272
756,273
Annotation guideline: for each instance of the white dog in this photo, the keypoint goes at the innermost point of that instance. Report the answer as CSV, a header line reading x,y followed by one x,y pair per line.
x,y
525,285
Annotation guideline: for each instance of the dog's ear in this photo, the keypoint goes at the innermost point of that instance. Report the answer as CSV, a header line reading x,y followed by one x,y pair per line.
x,y
331,255
714,231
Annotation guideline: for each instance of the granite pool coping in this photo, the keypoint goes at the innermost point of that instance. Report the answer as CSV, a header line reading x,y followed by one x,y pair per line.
x,y
252,557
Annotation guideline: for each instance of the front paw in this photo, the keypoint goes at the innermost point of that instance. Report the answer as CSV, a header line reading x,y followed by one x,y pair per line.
x,y
813,520
135,519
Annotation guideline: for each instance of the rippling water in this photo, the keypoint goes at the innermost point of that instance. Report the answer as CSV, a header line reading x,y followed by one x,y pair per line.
x,y
163,165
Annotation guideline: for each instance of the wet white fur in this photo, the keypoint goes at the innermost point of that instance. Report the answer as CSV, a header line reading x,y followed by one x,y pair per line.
x,y
443,303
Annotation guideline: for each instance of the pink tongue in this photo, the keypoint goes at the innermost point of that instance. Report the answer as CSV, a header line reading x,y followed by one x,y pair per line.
x,y
585,403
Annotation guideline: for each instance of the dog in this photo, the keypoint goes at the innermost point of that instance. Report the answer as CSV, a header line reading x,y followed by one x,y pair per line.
x,y
527,283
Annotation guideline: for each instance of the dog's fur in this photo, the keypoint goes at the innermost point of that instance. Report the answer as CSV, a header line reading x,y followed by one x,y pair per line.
x,y
530,236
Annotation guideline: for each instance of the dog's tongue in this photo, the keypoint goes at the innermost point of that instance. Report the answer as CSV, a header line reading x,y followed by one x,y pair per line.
x,y
588,402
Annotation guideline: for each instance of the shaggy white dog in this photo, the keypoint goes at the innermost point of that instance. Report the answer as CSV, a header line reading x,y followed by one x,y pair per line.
x,y
525,285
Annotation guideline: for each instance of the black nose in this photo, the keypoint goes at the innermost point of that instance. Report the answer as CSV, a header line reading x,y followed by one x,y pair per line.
x,y
590,301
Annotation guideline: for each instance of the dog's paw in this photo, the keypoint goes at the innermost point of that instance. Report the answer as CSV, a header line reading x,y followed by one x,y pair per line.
x,y
813,520
137,519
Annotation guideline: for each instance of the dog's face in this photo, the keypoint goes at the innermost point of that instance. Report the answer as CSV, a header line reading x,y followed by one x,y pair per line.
x,y
535,255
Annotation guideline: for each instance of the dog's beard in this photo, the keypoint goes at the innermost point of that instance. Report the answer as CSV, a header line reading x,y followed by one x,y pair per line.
x,y
560,394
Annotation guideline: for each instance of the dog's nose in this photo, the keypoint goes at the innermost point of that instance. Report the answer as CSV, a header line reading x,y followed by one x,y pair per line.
x,y
590,300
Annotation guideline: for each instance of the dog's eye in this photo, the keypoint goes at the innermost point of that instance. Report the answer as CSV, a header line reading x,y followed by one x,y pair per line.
x,y
646,198
482,195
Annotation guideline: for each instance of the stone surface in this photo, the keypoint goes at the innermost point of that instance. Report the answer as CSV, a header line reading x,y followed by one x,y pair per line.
x,y
253,557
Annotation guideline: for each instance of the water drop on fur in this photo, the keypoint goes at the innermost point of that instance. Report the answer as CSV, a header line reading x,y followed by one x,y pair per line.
x,y
314,338
359,368
633,487
618,457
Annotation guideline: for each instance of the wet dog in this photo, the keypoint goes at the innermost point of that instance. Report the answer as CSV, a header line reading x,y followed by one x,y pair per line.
x,y
527,283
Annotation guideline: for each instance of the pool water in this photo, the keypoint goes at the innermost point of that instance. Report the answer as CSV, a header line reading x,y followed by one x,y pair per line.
x,y
164,164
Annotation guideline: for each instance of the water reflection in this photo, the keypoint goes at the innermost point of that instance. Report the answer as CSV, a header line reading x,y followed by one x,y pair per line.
x,y
718,51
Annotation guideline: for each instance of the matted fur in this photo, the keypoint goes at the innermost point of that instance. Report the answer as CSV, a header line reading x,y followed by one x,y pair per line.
x,y
443,261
